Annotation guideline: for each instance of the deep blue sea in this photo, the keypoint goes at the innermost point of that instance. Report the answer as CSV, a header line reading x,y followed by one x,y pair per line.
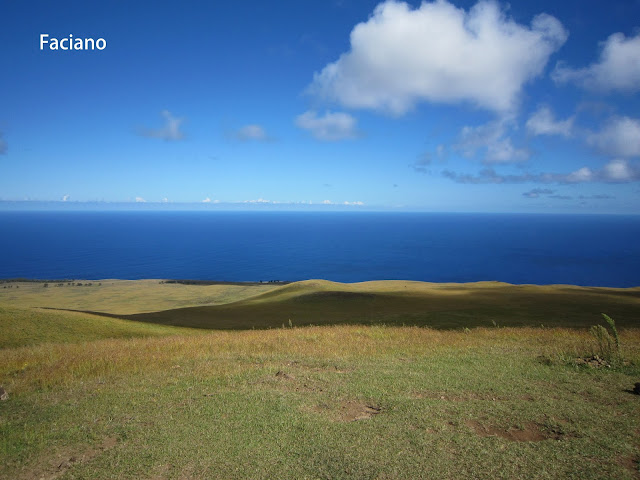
x,y
346,247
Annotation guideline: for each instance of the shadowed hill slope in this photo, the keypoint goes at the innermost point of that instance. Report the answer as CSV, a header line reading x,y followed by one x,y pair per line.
x,y
318,302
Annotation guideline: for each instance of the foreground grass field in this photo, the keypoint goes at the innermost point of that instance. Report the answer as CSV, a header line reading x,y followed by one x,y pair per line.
x,y
321,402
102,398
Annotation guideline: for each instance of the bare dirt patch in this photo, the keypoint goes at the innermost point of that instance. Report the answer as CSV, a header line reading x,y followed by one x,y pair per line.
x,y
531,432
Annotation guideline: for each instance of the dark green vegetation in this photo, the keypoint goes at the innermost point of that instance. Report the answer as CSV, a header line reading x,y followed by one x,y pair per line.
x,y
412,303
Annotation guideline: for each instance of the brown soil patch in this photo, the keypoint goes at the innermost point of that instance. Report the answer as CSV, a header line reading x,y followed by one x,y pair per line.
x,y
284,375
54,467
532,432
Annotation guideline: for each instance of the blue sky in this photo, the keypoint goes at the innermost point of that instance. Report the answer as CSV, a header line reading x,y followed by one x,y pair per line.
x,y
531,106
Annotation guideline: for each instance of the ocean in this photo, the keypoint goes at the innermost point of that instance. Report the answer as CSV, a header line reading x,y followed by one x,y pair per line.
x,y
592,250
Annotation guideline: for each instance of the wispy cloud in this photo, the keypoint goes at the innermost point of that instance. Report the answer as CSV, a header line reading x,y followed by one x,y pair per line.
x,y
616,171
597,197
3,145
65,198
421,165
169,132
617,69
252,133
140,200
331,126
536,192
481,56
492,141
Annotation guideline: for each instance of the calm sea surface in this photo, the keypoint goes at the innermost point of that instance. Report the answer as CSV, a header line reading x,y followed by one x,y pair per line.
x,y
344,247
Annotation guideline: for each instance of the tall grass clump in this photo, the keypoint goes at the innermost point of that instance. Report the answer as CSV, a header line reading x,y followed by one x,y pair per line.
x,y
608,348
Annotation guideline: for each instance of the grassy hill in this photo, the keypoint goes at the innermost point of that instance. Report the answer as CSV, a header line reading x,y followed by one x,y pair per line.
x,y
23,326
411,303
123,296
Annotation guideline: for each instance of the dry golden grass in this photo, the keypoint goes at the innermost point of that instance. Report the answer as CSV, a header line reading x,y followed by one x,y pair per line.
x,y
48,365
124,296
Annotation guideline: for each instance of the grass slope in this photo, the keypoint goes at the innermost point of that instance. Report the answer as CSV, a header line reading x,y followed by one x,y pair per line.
x,y
123,296
412,303
22,327
342,402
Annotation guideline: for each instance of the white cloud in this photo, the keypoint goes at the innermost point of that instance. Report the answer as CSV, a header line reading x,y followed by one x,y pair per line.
x,y
140,200
165,200
357,203
252,132
206,200
439,53
331,126
170,131
65,198
491,139
259,200
3,145
582,175
620,171
617,69
620,137
543,122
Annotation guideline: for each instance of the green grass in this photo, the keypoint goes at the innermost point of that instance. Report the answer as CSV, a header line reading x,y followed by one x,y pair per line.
x,y
449,403
23,327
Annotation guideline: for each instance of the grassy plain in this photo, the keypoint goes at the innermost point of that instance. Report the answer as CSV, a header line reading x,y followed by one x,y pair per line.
x,y
342,401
